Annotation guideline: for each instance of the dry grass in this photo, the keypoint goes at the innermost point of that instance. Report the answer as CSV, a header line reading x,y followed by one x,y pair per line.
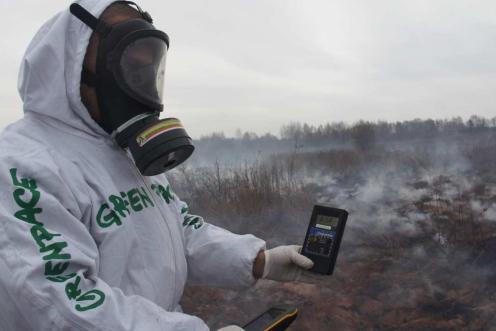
x,y
430,279
247,190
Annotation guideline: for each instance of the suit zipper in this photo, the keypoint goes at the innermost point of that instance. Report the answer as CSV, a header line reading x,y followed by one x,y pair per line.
x,y
138,174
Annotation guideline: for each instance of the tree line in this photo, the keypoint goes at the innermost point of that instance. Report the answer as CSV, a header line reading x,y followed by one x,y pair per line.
x,y
361,134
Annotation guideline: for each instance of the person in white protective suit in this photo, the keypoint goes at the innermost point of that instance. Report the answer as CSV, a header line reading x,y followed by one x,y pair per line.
x,y
92,237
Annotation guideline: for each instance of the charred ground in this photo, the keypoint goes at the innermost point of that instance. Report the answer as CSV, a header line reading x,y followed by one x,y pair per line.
x,y
419,250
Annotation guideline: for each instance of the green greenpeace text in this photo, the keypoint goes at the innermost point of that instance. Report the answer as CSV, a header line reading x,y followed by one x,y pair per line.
x,y
51,246
122,205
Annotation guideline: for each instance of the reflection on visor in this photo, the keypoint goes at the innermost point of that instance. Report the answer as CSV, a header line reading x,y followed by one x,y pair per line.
x,y
143,68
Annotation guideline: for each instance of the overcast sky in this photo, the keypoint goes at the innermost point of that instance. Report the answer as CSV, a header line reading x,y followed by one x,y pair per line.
x,y
258,64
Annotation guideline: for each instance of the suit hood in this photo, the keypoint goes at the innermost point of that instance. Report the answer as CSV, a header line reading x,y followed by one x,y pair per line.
x,y
50,74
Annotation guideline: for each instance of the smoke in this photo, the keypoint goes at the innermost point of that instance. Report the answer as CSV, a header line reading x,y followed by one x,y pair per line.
x,y
418,249
490,213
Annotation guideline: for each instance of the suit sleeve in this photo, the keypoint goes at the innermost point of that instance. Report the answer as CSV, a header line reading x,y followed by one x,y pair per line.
x,y
216,257
53,260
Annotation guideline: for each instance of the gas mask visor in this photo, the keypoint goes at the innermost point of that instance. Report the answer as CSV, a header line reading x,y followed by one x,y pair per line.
x,y
139,67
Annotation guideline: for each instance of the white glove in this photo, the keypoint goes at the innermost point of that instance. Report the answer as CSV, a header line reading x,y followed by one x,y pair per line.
x,y
285,263
231,328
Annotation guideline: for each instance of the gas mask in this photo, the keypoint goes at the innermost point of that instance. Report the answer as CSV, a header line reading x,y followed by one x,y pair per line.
x,y
129,81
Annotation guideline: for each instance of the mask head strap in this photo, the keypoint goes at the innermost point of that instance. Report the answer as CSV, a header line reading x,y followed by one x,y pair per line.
x,y
88,78
87,18
144,14
98,25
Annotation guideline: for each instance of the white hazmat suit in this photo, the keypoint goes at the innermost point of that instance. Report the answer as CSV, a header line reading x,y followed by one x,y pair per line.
x,y
86,242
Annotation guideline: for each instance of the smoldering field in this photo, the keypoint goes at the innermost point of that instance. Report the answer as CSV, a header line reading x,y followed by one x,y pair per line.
x,y
419,250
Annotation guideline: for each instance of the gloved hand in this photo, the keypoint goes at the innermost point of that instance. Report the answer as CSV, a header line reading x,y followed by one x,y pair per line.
x,y
231,328
285,263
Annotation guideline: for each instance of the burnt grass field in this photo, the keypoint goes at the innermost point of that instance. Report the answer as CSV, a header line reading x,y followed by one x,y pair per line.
x,y
418,253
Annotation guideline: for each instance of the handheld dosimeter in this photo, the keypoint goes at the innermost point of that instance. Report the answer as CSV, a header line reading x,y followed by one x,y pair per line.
x,y
323,237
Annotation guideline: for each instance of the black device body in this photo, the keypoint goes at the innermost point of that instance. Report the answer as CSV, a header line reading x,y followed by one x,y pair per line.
x,y
274,319
323,237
